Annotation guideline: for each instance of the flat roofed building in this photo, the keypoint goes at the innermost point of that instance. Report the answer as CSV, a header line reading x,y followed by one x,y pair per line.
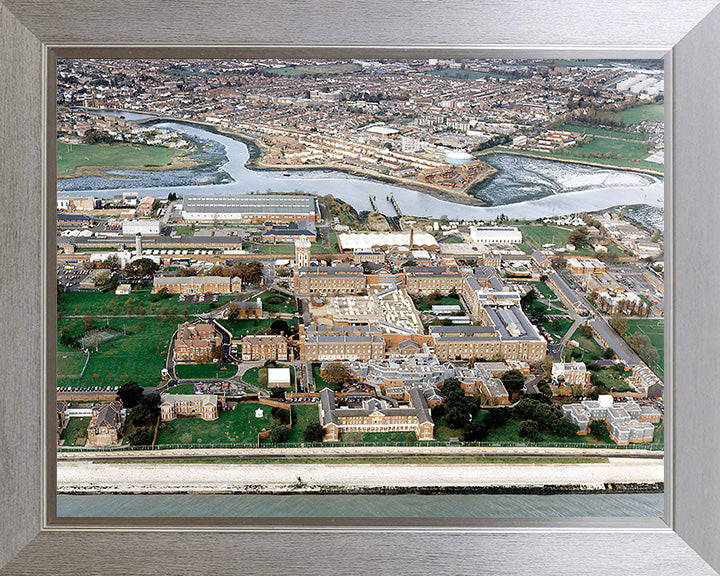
x,y
627,422
572,373
369,240
279,378
376,416
197,284
204,406
143,227
252,208
495,235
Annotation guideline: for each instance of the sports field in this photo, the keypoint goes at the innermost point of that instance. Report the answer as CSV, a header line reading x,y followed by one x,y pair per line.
x,y
70,157
138,356
70,363
655,330
238,426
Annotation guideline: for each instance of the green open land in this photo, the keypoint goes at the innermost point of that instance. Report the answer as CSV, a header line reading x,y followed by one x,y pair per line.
x,y
70,362
138,356
315,69
378,437
655,330
649,112
258,376
423,304
205,371
612,380
591,350
537,235
509,433
465,74
72,157
238,426
604,132
182,389
139,302
75,433
302,415
277,303
320,382
610,152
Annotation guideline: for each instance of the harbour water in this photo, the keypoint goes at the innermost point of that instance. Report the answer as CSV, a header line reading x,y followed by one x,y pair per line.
x,y
526,188
361,505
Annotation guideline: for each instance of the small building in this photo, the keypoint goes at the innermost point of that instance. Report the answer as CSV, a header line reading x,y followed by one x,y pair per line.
x,y
571,373
245,310
145,207
279,378
123,290
259,413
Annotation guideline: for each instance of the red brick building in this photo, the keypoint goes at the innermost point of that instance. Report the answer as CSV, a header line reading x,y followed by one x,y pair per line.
x,y
263,348
194,342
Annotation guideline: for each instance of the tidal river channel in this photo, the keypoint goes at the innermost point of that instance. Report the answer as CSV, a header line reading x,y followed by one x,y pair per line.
x,y
525,188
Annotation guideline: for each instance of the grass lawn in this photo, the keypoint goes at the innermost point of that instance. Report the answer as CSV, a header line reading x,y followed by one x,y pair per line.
x,y
655,330
591,349
258,376
379,437
320,382
650,112
302,415
70,362
422,304
659,435
565,324
606,132
182,389
277,303
232,426
612,380
71,157
509,433
75,433
315,69
205,371
138,356
138,302
539,235
240,328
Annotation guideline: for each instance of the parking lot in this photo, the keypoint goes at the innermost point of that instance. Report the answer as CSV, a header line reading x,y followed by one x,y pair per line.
x,y
69,275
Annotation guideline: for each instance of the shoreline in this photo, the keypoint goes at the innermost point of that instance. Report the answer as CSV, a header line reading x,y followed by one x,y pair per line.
x,y
76,477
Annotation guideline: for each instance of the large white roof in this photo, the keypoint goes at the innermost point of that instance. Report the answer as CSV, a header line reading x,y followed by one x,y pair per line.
x,y
358,241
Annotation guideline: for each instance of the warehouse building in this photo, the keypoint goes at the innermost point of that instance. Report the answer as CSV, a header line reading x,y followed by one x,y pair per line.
x,y
142,227
250,208
495,235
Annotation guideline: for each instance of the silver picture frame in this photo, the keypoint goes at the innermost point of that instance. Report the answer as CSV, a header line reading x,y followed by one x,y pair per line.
x,y
32,34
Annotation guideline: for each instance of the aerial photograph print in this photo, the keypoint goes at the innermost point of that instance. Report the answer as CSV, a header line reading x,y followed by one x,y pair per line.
x,y
360,287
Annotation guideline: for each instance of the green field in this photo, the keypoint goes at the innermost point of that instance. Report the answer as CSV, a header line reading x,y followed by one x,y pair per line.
x,y
232,426
139,302
606,132
302,415
649,112
509,433
465,74
182,389
655,330
378,437
75,433
205,371
240,328
138,356
71,157
315,69
613,381
258,376
443,301
70,362
277,303
591,349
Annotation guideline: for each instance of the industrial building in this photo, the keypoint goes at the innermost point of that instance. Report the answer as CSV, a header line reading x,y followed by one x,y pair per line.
x,y
250,208
495,235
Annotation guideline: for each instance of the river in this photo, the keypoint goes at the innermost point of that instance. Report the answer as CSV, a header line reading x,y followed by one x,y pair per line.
x,y
525,188
361,505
